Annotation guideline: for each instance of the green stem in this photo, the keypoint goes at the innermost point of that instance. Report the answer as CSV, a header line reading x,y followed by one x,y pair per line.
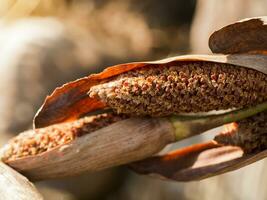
x,y
186,126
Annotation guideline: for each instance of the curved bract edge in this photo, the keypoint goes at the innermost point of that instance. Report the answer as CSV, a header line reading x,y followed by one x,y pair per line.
x,y
71,101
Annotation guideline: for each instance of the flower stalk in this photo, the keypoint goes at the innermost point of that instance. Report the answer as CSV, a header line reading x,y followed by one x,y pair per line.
x,y
187,126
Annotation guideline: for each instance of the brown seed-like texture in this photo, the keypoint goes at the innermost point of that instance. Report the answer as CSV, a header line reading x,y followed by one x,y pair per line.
x,y
37,141
250,134
189,87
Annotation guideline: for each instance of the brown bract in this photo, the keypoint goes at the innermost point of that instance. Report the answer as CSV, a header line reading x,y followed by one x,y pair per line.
x,y
249,35
250,134
71,101
197,162
38,141
120,143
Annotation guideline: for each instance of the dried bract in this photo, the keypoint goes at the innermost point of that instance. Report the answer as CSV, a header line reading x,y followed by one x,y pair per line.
x,y
249,35
250,134
37,141
70,101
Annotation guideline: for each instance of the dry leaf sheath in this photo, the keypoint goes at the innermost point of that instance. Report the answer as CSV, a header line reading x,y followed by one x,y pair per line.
x,y
30,143
250,134
15,186
248,35
119,143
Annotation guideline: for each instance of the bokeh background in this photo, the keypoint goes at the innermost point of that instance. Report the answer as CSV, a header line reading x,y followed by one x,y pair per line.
x,y
45,43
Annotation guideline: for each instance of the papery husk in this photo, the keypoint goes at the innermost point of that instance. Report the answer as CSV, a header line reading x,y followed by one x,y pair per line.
x,y
248,35
71,101
119,143
197,162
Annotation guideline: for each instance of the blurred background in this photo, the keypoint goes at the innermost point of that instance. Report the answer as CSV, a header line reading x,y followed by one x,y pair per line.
x,y
45,43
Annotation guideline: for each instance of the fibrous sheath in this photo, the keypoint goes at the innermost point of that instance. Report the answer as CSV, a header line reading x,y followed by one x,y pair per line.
x,y
250,134
182,88
37,141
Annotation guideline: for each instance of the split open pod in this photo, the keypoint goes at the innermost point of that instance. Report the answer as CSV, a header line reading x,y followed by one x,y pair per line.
x,y
146,106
